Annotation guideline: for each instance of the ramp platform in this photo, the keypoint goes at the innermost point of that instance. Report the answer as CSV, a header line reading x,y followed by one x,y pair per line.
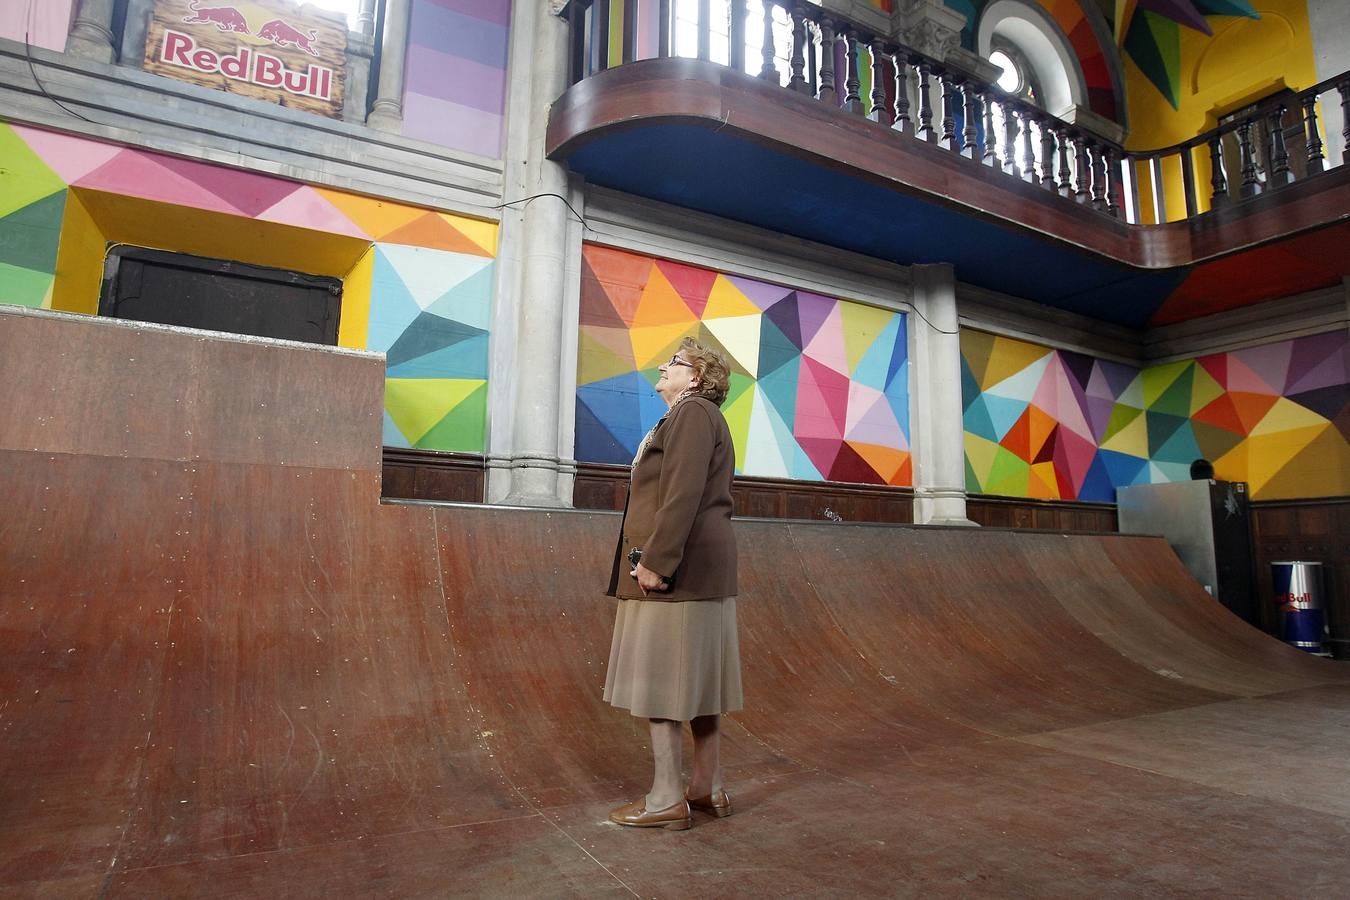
x,y
227,670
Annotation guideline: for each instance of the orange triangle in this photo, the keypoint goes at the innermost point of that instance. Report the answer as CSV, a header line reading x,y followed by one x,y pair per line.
x,y
433,232
1037,487
885,461
1018,439
1251,408
1041,426
1221,414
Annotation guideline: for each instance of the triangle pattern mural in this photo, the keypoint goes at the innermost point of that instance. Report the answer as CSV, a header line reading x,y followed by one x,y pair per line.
x,y
425,292
819,387
1051,424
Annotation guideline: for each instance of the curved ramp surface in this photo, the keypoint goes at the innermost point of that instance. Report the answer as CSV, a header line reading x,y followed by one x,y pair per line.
x,y
227,670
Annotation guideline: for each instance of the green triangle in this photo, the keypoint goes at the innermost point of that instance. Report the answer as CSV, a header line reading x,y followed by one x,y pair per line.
x,y
23,287
417,404
1154,43
29,236
1121,416
736,409
24,177
463,428
972,480
1176,399
1009,475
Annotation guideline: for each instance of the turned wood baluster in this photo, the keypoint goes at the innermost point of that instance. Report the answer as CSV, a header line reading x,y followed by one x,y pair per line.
x,y
970,133
1280,172
1112,167
828,94
1218,179
852,98
902,120
768,71
1047,154
990,157
948,139
600,52
1097,167
797,80
881,110
1065,173
1009,139
1082,184
925,101
1344,88
1028,155
576,62
1315,159
1251,184
1188,180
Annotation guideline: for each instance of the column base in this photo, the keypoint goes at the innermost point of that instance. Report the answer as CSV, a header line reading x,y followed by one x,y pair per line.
x,y
941,508
388,122
96,46
530,481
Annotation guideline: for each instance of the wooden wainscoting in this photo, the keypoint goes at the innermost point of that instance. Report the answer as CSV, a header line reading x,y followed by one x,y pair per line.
x,y
1316,530
431,475
1050,515
606,487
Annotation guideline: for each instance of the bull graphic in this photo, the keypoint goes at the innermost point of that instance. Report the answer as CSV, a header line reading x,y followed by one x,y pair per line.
x,y
225,18
283,34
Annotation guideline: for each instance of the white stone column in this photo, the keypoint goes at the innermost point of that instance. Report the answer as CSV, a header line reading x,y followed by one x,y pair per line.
x,y
386,113
91,33
365,17
937,438
534,326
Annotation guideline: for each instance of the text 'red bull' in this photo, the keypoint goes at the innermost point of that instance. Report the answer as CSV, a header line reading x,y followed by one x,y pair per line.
x,y
247,65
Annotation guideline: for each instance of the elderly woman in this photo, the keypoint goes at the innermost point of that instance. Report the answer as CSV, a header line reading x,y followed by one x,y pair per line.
x,y
675,656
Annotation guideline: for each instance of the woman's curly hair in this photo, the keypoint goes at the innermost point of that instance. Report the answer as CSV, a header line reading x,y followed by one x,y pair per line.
x,y
710,367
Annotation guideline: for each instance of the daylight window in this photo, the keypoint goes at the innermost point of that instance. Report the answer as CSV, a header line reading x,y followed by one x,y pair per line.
x,y
1011,80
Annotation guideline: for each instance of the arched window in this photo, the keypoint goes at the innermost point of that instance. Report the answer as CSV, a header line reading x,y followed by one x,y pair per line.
x,y
1022,32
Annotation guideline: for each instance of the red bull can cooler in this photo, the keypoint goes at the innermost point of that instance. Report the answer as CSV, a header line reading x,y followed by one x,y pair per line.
x,y
1298,601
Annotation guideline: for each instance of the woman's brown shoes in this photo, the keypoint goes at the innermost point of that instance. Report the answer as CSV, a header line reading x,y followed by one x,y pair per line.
x,y
635,814
718,803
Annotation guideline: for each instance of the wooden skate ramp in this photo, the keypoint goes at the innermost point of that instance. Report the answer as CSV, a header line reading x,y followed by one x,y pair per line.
x,y
227,670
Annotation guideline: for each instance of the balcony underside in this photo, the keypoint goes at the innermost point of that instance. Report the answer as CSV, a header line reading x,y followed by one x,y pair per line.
x,y
701,136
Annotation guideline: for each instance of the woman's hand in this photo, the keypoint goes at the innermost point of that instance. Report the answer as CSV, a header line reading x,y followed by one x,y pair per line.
x,y
647,579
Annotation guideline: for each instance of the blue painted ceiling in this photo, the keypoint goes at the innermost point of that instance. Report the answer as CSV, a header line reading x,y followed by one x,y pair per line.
x,y
728,175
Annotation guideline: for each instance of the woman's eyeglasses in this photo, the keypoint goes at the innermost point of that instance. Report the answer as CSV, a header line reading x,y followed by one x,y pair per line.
x,y
676,361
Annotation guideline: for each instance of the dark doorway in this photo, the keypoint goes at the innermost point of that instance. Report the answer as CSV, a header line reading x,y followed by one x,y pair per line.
x,y
220,295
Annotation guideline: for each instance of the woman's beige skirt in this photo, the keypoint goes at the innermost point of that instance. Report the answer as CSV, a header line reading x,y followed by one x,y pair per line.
x,y
675,660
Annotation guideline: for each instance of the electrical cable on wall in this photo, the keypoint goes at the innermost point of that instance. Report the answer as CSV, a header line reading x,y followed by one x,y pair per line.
x,y
28,54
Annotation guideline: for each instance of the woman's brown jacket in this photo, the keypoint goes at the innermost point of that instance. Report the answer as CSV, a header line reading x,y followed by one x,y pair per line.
x,y
679,508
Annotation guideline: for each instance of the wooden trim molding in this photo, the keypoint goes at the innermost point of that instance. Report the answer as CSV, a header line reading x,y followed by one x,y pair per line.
x,y
1053,515
606,487
432,475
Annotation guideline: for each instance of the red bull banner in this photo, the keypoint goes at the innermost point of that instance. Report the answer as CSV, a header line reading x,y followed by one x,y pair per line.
x,y
274,50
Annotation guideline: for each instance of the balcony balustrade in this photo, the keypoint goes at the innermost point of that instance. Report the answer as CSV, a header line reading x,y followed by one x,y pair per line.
x,y
807,50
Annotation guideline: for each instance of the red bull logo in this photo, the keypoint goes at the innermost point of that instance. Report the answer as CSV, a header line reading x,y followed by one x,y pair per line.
x,y
225,18
1293,602
248,65
283,34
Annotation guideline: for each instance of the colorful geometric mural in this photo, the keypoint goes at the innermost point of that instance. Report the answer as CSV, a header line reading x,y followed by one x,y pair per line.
x,y
819,386
455,76
417,283
1150,32
1053,424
